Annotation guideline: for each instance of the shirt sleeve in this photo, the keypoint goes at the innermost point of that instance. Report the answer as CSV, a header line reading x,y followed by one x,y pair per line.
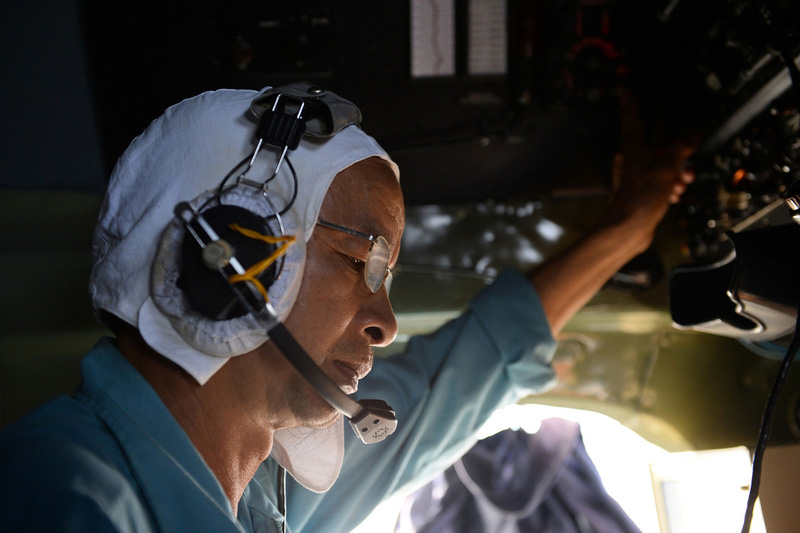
x,y
443,388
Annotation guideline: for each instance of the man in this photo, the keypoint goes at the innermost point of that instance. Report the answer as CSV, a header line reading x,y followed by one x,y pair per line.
x,y
176,417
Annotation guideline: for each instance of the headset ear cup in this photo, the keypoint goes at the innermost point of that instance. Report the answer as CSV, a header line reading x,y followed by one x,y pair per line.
x,y
209,292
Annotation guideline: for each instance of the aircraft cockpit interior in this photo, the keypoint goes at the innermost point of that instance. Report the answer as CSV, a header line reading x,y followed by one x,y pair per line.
x,y
504,117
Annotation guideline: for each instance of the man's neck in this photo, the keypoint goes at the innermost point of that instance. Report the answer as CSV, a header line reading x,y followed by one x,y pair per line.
x,y
213,416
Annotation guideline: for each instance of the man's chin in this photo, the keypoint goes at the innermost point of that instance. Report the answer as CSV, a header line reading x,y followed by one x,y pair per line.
x,y
311,409
321,414
326,421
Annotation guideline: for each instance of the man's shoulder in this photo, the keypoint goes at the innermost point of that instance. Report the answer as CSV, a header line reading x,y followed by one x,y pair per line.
x,y
59,438
61,456
63,418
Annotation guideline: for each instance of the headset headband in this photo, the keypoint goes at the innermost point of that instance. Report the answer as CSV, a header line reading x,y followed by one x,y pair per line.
x,y
325,113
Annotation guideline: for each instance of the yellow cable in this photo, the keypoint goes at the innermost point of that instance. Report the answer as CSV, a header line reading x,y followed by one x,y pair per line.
x,y
255,270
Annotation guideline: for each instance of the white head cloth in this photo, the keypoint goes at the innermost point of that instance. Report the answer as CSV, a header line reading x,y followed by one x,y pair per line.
x,y
182,156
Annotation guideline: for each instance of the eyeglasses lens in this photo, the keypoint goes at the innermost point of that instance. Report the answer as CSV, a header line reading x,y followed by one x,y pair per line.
x,y
377,264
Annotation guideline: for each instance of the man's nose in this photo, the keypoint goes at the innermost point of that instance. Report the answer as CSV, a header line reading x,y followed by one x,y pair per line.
x,y
380,323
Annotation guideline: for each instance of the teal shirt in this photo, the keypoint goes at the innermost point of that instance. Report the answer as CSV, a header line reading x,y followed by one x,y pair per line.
x,y
443,388
112,457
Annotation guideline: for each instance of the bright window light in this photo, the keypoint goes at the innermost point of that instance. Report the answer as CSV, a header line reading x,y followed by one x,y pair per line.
x,y
705,491
662,492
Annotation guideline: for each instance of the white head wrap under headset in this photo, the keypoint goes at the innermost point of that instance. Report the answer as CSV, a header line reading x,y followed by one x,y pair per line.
x,y
182,156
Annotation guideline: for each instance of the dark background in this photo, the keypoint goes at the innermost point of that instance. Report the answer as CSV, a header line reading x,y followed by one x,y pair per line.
x,y
81,78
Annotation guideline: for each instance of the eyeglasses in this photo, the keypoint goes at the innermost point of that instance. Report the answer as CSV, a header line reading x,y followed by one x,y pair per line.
x,y
376,267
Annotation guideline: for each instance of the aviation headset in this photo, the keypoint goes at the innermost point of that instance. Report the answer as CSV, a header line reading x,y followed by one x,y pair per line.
x,y
231,255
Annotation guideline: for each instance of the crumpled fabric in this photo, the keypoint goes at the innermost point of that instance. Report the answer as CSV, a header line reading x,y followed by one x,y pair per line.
x,y
515,482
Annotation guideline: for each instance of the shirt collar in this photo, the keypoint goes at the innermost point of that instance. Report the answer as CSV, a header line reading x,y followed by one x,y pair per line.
x,y
180,489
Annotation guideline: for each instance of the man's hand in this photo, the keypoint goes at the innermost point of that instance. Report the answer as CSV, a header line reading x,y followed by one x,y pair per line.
x,y
646,183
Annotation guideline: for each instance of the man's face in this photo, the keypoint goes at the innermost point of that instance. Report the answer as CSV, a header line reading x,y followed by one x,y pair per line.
x,y
337,319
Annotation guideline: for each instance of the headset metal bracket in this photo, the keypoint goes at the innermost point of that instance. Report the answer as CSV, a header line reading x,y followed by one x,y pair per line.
x,y
325,113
